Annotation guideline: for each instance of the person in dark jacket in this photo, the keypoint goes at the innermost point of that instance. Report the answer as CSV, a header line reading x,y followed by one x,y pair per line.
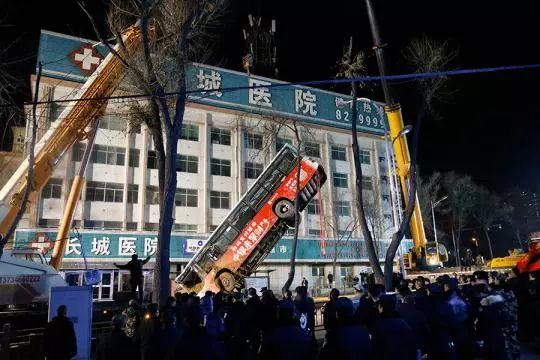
x,y
330,311
117,345
347,340
59,339
135,267
149,331
414,318
366,312
253,320
392,337
305,310
287,340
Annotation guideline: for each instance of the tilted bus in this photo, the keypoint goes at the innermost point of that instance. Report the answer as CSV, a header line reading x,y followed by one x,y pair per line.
x,y
250,231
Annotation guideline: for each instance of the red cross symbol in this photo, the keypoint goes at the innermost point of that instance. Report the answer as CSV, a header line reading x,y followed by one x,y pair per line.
x,y
87,58
41,242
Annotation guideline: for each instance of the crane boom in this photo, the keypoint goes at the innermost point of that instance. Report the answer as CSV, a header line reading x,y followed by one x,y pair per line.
x,y
69,128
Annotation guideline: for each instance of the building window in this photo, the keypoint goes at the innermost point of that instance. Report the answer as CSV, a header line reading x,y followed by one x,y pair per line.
x,y
253,141
112,155
346,274
152,195
339,153
312,149
384,179
101,154
220,136
367,183
382,159
365,157
102,191
386,198
219,200
314,232
49,223
187,163
344,234
313,207
289,232
151,161
131,226
53,189
187,228
212,228
342,208
280,142
186,197
109,122
190,132
317,271
133,194
340,180
134,157
102,225
220,167
252,170
151,226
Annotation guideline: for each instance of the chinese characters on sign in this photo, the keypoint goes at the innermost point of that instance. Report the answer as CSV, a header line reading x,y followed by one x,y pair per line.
x,y
259,95
209,80
305,102
100,246
126,245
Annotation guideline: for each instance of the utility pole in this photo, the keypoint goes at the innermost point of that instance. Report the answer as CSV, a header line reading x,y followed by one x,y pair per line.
x,y
395,123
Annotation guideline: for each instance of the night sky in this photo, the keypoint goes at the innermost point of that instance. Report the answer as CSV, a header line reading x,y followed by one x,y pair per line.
x,y
488,128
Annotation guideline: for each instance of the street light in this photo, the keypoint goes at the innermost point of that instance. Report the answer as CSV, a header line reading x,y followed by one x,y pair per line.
x,y
406,129
433,206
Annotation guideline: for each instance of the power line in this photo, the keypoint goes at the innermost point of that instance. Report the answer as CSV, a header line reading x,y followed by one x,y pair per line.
x,y
360,79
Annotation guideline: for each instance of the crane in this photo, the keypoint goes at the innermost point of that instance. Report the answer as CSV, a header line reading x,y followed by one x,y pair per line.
x,y
71,126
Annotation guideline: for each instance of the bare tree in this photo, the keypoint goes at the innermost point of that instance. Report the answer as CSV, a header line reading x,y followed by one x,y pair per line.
x,y
172,33
23,201
352,66
460,192
429,192
488,208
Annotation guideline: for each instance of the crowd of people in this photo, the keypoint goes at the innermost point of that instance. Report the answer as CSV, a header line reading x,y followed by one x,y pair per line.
x,y
467,317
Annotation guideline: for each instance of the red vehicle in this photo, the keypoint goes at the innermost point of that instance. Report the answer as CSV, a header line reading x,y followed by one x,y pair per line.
x,y
253,227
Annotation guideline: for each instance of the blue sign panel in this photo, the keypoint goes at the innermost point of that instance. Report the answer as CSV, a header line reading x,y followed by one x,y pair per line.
x,y
116,245
75,59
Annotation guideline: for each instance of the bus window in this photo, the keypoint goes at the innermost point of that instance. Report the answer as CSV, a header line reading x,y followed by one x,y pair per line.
x,y
272,181
287,162
241,216
256,197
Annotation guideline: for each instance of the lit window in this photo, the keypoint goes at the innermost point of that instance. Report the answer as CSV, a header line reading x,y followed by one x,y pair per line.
x,y
252,170
341,180
220,167
220,136
339,153
219,200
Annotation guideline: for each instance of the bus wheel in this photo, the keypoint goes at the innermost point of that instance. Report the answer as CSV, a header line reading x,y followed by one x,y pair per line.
x,y
227,281
284,209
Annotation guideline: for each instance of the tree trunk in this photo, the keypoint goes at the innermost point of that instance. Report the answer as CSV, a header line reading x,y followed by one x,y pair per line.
x,y
368,240
486,232
292,269
398,235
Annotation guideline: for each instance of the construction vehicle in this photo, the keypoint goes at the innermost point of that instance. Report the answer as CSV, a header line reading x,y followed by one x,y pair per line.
x,y
250,231
530,262
71,126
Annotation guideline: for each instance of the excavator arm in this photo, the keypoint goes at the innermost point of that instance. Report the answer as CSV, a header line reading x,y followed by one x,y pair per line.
x,y
69,128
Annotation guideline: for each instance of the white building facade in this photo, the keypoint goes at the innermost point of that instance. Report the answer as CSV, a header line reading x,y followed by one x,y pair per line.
x,y
226,142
